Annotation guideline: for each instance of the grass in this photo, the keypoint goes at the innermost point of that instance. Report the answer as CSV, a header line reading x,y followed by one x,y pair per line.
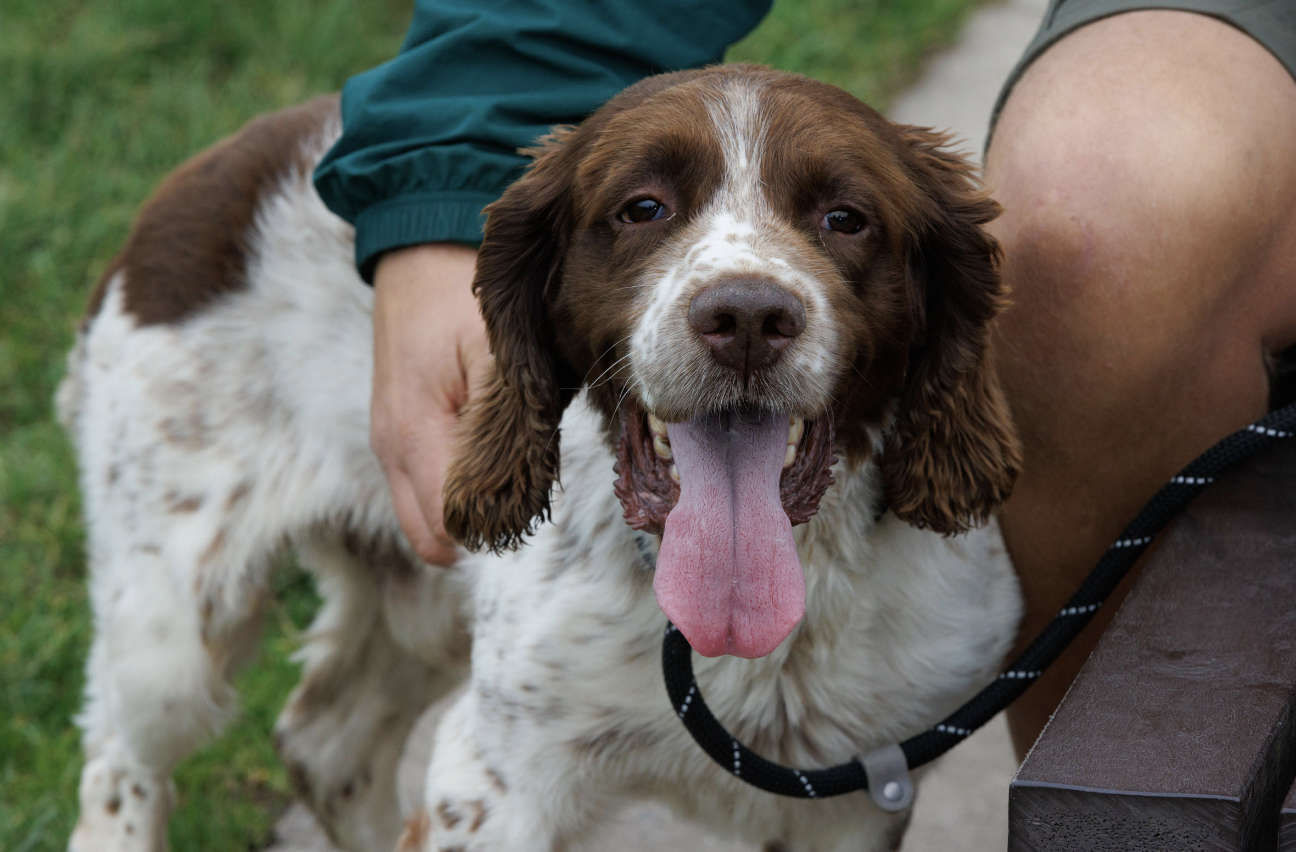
x,y
99,101
868,47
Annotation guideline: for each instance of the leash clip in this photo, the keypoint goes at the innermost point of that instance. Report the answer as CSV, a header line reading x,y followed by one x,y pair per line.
x,y
889,784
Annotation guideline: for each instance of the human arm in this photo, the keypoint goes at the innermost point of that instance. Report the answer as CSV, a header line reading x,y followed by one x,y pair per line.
x,y
429,139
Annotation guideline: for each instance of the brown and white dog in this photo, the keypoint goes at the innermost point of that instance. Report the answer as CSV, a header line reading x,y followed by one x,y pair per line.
x,y
755,311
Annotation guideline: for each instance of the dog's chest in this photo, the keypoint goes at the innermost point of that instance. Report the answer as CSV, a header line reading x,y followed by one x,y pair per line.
x,y
900,626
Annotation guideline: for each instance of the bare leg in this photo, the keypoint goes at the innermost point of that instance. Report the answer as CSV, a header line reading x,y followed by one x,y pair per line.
x,y
1147,170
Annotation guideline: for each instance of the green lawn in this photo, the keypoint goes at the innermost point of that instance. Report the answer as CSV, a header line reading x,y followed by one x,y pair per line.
x,y
98,101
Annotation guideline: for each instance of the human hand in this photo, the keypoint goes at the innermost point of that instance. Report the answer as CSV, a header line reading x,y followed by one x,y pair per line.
x,y
429,340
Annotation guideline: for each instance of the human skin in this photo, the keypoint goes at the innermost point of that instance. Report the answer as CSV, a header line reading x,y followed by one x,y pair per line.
x,y
1146,165
429,340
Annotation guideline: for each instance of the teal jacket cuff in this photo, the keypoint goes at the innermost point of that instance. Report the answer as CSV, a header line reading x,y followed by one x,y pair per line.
x,y
449,217
441,124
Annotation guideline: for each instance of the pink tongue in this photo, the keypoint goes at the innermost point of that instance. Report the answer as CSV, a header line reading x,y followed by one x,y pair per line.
x,y
727,572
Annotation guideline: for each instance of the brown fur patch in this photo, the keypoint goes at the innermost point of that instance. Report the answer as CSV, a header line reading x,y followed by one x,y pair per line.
x,y
213,548
177,505
207,610
478,810
496,780
447,814
415,834
189,243
498,485
911,295
238,495
953,454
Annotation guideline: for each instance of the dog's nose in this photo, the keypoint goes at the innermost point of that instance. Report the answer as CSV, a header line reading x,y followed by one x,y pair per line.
x,y
747,322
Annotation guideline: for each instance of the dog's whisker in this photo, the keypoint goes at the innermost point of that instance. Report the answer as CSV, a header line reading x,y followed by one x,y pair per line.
x,y
625,394
614,369
733,309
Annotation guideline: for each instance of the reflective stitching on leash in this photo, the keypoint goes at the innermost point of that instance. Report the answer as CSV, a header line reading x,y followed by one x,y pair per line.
x,y
688,699
927,746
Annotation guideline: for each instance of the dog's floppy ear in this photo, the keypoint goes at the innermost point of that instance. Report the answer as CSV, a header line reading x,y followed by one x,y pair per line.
x,y
506,458
952,455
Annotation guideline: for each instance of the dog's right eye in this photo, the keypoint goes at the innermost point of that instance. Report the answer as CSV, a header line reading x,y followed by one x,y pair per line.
x,y
843,220
643,210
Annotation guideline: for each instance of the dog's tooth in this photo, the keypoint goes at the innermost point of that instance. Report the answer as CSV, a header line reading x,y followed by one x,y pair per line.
x,y
674,474
658,427
795,429
789,456
662,448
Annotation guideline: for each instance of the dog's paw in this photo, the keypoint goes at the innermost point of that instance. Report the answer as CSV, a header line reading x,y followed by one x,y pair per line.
x,y
122,810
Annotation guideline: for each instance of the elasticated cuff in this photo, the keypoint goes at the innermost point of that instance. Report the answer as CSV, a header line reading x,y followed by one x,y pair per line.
x,y
412,219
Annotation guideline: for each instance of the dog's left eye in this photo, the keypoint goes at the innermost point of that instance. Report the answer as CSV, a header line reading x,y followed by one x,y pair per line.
x,y
643,210
843,220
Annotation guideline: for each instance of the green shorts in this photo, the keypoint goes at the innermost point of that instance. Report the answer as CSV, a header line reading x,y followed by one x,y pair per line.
x,y
1272,23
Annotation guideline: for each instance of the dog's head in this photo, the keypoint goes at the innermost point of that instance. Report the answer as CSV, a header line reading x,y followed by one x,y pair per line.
x,y
752,273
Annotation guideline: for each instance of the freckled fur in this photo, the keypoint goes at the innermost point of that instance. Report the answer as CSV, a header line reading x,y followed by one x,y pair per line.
x,y
254,444
250,418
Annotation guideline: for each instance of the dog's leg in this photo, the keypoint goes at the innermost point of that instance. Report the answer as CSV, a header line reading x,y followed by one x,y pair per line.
x,y
499,784
124,803
345,726
157,685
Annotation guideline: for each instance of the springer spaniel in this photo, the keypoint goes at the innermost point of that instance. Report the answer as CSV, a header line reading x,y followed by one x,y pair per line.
x,y
756,313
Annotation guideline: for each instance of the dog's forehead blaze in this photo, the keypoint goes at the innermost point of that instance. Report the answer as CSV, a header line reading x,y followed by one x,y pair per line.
x,y
686,139
765,146
663,144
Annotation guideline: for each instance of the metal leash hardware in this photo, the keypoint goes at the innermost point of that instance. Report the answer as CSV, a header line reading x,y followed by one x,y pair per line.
x,y
885,771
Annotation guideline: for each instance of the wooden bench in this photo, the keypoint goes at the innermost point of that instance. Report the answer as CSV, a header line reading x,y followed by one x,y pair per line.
x,y
1180,731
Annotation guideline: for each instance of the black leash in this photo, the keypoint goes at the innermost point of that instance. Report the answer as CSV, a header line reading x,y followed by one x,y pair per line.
x,y
884,772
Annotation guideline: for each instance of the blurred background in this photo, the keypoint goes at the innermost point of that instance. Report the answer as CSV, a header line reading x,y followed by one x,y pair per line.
x,y
98,101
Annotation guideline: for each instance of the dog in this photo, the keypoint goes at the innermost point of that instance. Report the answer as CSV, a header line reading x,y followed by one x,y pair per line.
x,y
741,379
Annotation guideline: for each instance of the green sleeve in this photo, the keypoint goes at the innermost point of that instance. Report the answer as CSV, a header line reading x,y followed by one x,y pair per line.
x,y
431,137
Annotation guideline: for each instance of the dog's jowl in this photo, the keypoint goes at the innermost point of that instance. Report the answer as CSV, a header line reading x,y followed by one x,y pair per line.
x,y
741,380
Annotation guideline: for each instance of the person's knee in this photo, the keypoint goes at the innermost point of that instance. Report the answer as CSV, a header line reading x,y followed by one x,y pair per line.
x,y
1104,185
1145,184
1101,248
1136,241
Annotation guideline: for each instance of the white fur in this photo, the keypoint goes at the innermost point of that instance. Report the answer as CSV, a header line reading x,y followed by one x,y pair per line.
x,y
208,445
735,236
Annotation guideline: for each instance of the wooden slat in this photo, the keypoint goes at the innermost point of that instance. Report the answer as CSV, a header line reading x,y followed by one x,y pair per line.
x,y
1178,733
1287,822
